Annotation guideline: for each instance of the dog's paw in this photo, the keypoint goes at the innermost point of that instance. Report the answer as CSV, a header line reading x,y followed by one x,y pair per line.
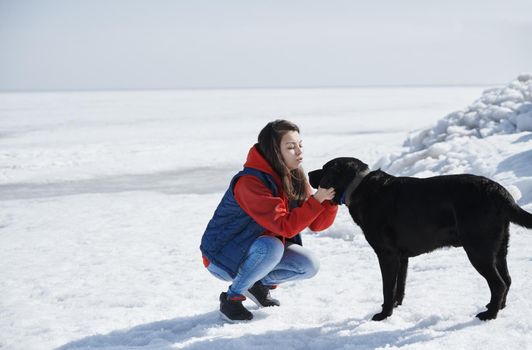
x,y
487,315
380,316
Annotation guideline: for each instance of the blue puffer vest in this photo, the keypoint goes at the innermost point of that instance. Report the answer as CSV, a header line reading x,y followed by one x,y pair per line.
x,y
231,231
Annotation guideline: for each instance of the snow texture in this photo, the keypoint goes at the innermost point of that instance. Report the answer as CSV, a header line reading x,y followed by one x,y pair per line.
x,y
104,197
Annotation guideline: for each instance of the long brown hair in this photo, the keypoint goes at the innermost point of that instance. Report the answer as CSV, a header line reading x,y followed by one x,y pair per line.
x,y
294,182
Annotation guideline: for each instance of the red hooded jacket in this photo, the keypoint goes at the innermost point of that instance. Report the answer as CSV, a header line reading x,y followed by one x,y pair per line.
x,y
273,213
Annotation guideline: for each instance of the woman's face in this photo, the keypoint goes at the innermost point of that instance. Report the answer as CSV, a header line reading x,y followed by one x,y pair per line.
x,y
292,149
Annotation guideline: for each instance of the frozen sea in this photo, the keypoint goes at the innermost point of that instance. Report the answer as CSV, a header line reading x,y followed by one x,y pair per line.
x,y
104,197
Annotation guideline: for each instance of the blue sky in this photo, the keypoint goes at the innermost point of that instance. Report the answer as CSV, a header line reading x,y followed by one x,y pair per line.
x,y
163,44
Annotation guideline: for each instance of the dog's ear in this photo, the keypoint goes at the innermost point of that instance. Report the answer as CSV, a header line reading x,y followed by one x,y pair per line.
x,y
359,166
315,177
329,177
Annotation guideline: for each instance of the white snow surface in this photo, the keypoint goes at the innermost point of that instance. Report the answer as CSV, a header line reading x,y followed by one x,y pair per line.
x,y
104,197
468,141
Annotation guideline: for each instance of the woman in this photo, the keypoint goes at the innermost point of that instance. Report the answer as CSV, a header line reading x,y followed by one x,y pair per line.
x,y
253,237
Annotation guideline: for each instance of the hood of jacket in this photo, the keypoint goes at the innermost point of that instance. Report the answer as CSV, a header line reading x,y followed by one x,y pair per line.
x,y
255,160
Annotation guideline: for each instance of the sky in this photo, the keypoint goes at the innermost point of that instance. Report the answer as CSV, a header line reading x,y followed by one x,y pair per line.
x,y
168,44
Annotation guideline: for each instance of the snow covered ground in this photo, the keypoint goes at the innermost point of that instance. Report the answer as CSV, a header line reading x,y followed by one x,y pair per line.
x,y
104,197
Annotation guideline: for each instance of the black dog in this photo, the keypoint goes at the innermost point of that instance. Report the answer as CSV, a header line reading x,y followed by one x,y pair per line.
x,y
402,217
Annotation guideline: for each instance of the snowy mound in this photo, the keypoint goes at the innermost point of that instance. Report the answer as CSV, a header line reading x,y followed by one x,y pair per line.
x,y
503,110
465,141
491,137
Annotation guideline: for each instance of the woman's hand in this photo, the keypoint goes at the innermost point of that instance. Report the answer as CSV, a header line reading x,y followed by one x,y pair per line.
x,y
323,194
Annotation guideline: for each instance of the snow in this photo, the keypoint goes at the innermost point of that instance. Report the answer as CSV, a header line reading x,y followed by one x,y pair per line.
x,y
104,197
490,137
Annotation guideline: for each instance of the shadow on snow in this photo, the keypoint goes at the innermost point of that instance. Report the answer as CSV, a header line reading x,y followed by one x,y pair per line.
x,y
204,332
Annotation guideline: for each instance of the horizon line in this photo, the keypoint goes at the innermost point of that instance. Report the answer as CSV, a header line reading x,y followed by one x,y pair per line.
x,y
293,87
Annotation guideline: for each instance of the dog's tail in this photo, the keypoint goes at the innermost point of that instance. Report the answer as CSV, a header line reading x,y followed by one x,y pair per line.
x,y
517,215
514,212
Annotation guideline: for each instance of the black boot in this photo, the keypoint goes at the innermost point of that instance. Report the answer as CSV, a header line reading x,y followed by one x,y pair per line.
x,y
232,309
260,294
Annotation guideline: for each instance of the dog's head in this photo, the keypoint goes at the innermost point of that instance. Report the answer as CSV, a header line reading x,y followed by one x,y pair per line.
x,y
337,173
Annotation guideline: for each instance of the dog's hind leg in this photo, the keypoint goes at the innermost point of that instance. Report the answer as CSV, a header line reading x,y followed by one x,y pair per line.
x,y
484,264
389,264
401,281
502,266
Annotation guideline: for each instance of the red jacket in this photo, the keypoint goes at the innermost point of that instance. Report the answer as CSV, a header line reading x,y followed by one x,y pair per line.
x,y
273,213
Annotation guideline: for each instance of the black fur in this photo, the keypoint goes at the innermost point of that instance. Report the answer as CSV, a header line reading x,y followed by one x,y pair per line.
x,y
402,217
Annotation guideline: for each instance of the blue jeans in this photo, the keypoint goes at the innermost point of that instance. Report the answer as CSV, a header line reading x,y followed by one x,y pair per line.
x,y
270,262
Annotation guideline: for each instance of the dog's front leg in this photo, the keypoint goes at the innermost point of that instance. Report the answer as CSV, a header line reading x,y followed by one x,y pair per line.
x,y
401,281
389,264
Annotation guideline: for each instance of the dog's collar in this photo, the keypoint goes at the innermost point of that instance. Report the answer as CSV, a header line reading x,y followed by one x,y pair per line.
x,y
345,198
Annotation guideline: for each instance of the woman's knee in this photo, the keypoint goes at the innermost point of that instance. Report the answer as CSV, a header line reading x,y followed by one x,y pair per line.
x,y
312,265
269,245
307,262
